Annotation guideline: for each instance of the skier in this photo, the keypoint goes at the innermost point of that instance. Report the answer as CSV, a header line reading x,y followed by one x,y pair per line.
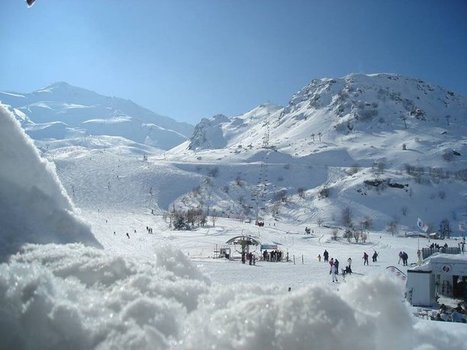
x,y
347,270
375,256
365,258
128,235
326,255
319,257
333,273
349,260
336,264
405,257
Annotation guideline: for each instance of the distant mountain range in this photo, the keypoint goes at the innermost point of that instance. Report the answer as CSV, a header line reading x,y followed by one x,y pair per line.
x,y
61,111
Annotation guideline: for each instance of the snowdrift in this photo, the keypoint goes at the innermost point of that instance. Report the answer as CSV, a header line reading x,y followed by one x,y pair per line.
x,y
34,205
76,297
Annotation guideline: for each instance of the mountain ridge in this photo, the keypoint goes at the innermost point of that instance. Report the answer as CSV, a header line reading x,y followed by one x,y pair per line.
x,y
74,106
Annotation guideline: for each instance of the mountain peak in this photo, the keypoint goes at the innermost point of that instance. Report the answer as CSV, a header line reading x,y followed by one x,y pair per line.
x,y
56,86
59,84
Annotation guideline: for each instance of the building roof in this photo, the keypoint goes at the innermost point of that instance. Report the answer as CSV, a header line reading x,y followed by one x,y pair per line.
x,y
452,264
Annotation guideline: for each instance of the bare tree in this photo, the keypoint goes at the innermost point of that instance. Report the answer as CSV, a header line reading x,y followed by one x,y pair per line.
x,y
367,223
404,118
393,227
356,235
334,234
319,221
346,217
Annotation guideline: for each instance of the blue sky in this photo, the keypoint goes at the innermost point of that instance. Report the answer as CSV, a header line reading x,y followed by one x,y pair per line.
x,y
194,58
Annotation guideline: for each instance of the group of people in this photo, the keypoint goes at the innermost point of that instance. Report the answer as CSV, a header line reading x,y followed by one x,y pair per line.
x,y
365,257
273,255
250,256
462,245
404,257
334,266
437,246
457,314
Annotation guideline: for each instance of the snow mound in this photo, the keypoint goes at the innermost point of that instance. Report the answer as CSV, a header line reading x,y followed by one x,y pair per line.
x,y
35,206
76,297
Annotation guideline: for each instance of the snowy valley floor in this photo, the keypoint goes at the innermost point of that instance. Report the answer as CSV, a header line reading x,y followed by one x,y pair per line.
x,y
199,246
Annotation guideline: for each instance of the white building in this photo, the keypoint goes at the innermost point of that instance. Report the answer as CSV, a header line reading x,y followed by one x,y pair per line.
x,y
439,274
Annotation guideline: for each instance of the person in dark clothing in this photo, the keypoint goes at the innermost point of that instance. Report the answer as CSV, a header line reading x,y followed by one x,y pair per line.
x,y
326,255
375,256
365,258
336,262
405,257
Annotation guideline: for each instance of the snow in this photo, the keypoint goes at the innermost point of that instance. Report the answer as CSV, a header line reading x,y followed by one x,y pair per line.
x,y
56,296
35,206
12,94
166,290
122,119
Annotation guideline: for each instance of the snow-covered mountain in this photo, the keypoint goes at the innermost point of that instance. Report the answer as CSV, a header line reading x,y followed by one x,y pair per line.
x,y
383,144
62,111
341,109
